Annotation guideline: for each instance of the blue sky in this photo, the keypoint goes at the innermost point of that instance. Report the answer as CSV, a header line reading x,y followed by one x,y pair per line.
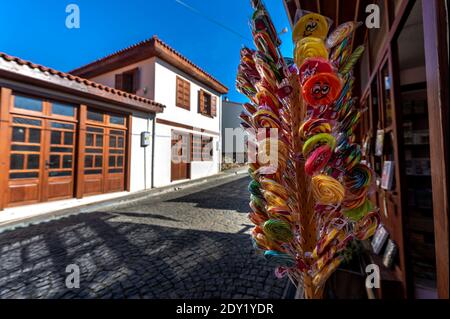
x,y
36,31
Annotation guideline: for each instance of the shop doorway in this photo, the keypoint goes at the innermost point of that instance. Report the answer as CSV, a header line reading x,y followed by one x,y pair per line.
x,y
414,129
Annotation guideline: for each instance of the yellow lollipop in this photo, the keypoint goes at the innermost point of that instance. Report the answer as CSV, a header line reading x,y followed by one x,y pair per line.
x,y
327,190
310,25
309,47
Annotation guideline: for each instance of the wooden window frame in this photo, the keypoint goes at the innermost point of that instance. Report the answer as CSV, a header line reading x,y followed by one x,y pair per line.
x,y
135,78
183,94
207,110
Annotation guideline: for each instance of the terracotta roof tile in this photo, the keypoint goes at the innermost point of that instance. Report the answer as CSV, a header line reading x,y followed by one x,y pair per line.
x,y
152,41
86,82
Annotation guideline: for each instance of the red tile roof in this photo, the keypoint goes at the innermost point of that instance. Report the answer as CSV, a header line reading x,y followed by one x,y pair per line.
x,y
100,90
155,47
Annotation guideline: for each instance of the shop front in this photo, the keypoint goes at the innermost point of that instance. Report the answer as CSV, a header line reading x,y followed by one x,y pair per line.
x,y
403,84
63,137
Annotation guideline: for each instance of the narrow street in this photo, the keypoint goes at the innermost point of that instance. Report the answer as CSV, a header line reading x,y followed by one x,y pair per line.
x,y
192,243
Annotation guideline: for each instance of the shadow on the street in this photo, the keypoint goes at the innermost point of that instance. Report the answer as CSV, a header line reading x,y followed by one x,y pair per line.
x,y
223,197
146,215
129,260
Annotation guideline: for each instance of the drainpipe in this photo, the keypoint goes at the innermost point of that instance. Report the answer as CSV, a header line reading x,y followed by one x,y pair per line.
x,y
220,134
153,149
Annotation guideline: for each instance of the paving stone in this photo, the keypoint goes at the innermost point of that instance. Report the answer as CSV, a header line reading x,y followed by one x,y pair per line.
x,y
187,244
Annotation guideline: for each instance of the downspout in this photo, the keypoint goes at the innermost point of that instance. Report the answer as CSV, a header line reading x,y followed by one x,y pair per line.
x,y
221,134
153,150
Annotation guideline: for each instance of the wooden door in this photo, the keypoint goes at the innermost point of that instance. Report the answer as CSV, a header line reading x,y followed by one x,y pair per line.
x,y
26,160
58,175
180,166
115,173
41,160
93,160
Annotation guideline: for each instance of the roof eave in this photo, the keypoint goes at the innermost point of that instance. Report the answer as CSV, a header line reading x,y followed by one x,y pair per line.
x,y
146,50
14,71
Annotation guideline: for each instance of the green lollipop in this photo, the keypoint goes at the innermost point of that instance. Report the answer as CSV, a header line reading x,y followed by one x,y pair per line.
x,y
278,230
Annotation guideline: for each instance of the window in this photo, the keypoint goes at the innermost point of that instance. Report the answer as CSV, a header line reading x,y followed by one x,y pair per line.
x,y
207,148
183,94
117,119
196,147
207,104
94,116
27,103
202,148
128,81
63,109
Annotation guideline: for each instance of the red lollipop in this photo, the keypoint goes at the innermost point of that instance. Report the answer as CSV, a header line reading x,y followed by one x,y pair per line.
x,y
318,159
313,66
322,89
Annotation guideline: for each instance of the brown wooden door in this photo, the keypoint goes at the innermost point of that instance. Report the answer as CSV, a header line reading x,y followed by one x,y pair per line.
x,y
41,160
115,174
180,166
94,160
58,178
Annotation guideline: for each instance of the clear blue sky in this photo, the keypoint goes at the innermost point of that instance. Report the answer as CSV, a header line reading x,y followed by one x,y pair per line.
x,y
35,30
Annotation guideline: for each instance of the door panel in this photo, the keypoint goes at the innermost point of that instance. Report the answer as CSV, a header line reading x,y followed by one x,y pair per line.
x,y
41,160
93,160
180,166
25,167
115,175
59,165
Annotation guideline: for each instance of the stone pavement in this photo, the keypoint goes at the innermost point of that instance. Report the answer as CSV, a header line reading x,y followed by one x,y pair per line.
x,y
193,243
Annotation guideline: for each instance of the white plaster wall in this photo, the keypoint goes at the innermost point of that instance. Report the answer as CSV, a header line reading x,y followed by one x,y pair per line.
x,y
141,157
147,77
165,93
159,79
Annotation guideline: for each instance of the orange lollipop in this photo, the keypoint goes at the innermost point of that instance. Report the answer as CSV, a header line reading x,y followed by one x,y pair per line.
x,y
322,89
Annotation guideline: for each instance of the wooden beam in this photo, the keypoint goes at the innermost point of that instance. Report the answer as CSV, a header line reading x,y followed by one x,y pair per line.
x,y
5,98
128,152
435,38
355,20
81,145
337,13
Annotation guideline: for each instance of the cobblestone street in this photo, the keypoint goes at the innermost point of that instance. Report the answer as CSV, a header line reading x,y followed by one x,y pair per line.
x,y
193,243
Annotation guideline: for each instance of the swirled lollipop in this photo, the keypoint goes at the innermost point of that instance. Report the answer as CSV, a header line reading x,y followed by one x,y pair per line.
x,y
278,230
351,61
265,44
338,35
359,212
314,126
327,190
310,25
318,159
322,89
279,258
309,47
358,177
317,140
367,226
267,119
264,97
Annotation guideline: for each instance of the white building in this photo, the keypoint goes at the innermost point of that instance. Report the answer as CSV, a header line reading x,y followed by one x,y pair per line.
x,y
192,113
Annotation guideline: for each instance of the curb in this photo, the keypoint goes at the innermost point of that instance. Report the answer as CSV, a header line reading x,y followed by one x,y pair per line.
x,y
118,201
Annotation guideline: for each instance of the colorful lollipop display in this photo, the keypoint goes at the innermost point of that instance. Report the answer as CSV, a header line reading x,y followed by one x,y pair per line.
x,y
314,200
